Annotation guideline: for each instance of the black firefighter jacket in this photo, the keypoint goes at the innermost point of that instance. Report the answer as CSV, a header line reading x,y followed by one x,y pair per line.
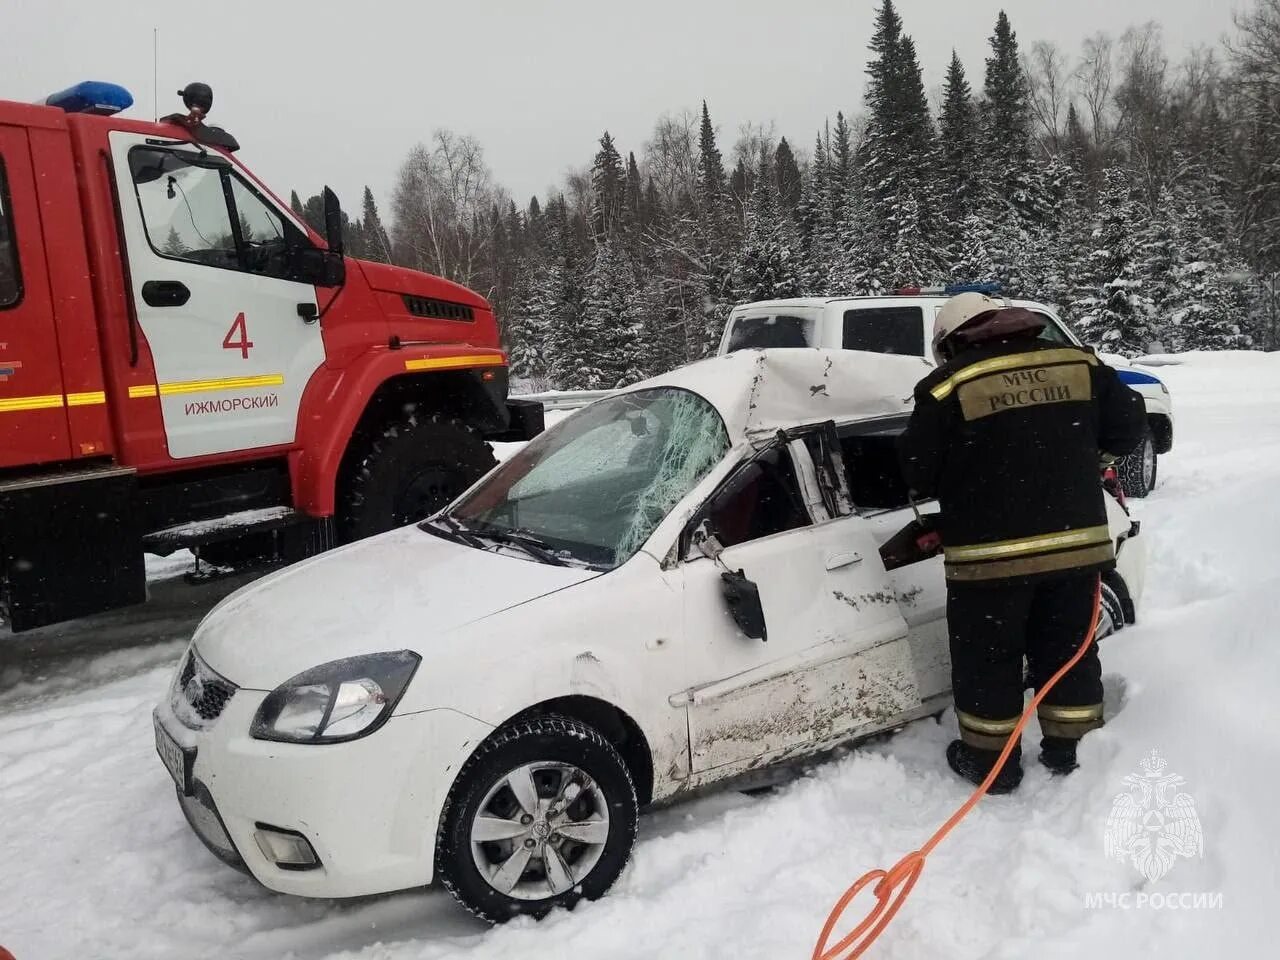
x,y
1007,436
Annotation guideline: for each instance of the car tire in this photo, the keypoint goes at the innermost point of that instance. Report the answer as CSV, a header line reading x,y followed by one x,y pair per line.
x,y
1111,617
409,470
1138,470
497,879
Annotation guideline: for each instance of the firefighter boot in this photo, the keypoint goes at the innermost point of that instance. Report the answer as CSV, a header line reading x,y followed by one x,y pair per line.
x,y
1058,754
974,764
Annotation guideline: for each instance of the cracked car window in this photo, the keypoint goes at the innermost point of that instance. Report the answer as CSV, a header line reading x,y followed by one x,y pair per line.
x,y
596,487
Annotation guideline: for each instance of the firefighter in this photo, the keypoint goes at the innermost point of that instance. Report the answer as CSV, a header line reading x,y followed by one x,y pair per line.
x,y
1007,434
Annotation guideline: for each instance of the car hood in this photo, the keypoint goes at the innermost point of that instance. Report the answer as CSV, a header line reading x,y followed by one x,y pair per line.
x,y
401,590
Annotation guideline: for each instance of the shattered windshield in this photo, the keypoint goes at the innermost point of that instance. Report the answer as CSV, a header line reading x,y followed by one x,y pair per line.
x,y
594,488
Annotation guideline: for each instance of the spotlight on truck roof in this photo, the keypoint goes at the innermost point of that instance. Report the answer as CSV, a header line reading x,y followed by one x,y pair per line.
x,y
92,96
197,97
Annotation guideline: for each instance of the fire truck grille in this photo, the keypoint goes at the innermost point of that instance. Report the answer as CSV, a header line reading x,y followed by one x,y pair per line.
x,y
202,691
437,309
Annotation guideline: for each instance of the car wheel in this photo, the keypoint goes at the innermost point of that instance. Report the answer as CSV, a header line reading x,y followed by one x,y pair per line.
x,y
1138,470
542,815
408,471
1111,616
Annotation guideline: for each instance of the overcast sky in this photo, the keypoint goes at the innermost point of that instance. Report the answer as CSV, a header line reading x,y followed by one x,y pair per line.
x,y
337,92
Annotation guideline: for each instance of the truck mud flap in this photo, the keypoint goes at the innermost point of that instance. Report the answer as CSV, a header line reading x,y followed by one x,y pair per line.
x,y
69,545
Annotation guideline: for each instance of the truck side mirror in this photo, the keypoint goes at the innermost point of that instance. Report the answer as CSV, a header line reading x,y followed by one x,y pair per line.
x,y
320,268
333,221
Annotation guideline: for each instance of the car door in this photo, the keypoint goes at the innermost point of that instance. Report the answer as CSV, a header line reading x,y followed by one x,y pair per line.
x,y
879,495
833,661
233,337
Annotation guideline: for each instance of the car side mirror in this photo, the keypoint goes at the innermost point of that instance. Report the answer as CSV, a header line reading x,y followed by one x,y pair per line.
x,y
743,597
321,268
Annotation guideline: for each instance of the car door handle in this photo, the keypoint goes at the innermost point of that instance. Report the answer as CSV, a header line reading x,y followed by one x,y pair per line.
x,y
165,293
838,560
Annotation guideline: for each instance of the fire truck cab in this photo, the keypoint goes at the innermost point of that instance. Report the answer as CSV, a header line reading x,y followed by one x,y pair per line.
x,y
185,363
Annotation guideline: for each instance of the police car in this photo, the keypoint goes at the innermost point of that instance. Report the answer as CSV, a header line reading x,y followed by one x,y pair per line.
x,y
903,324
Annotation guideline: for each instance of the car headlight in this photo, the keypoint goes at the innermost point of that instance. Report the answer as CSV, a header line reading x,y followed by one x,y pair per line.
x,y
336,701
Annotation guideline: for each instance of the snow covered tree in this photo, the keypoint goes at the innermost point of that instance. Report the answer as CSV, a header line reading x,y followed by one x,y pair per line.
x,y
377,243
612,322
711,182
897,158
959,186
1110,308
787,173
1006,127
173,245
815,225
767,267
608,184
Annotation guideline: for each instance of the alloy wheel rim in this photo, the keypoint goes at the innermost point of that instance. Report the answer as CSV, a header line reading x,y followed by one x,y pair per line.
x,y
540,830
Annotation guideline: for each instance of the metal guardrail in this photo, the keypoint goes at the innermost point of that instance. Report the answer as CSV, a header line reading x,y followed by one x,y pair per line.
x,y
565,399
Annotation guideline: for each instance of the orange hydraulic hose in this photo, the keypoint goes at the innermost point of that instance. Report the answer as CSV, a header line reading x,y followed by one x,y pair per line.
x,y
894,885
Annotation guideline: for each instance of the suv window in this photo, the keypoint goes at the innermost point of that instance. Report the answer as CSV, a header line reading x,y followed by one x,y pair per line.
x,y
203,212
763,333
10,278
1053,332
898,330
760,500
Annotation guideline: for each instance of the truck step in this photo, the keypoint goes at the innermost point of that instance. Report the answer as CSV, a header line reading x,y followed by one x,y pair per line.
x,y
199,533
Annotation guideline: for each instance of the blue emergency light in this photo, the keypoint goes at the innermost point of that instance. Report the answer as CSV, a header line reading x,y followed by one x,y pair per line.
x,y
92,96
990,289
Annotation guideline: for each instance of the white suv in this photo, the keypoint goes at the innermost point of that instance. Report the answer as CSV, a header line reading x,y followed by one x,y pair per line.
x,y
903,324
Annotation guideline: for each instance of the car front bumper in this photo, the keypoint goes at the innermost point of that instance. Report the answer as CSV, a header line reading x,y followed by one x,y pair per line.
x,y
368,808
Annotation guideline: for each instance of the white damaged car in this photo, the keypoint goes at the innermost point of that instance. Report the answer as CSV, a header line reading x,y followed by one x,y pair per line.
x,y
679,585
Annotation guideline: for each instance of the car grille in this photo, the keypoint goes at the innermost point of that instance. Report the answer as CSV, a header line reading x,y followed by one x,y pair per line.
x,y
201,691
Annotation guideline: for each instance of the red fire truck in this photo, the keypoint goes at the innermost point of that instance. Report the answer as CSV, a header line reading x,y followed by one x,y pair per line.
x,y
184,363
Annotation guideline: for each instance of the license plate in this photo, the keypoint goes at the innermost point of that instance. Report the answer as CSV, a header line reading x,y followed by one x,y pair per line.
x,y
175,759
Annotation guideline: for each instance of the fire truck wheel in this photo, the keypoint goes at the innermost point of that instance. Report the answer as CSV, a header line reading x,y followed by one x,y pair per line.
x,y
408,471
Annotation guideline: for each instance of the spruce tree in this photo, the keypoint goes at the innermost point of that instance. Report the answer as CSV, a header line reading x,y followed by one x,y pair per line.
x,y
1110,308
376,241
959,186
711,182
612,321
787,173
897,161
295,202
815,226
840,159
767,267
608,184
1006,133
633,197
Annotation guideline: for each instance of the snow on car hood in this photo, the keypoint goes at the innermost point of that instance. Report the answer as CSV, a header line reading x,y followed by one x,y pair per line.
x,y
401,590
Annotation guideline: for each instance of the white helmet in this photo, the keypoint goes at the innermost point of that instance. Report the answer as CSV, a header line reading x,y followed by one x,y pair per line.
x,y
955,313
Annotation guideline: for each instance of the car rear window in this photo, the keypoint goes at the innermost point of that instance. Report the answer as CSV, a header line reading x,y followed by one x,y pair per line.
x,y
898,330
763,333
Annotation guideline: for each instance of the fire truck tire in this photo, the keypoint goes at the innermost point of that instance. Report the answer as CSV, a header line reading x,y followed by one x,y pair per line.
x,y
407,471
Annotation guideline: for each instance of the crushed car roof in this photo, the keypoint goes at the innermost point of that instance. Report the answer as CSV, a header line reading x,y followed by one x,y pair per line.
x,y
759,392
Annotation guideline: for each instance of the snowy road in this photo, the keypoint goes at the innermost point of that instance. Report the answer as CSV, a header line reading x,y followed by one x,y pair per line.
x,y
96,860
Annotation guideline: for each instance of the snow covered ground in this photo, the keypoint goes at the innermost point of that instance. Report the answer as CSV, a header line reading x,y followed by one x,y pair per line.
x,y
96,860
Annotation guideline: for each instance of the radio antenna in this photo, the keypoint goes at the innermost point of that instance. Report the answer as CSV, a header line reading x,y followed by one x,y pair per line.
x,y
155,73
